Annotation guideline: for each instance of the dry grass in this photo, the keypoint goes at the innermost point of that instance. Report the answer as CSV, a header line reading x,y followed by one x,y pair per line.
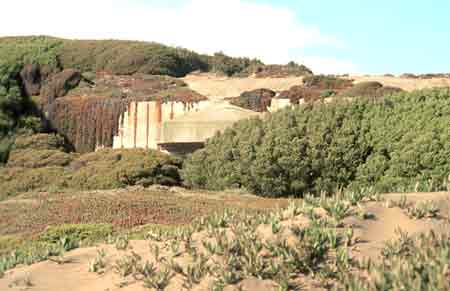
x,y
31,213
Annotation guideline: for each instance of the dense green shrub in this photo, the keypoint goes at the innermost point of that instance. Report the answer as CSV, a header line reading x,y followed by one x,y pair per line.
x,y
16,180
52,169
391,144
41,141
76,233
108,169
39,158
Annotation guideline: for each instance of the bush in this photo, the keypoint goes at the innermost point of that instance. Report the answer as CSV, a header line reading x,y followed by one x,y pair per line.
x,y
38,163
41,141
39,158
108,169
390,144
326,82
16,180
363,89
76,233
369,89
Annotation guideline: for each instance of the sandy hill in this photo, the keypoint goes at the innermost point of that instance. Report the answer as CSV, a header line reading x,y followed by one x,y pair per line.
x,y
217,88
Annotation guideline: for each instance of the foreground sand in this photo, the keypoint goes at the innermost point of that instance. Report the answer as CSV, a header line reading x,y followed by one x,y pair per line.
x,y
73,275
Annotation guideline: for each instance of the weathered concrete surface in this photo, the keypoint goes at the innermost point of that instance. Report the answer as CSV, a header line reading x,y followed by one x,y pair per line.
x,y
140,125
156,125
278,104
201,125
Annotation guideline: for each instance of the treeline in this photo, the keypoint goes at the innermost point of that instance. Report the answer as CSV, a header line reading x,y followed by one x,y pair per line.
x,y
396,143
124,57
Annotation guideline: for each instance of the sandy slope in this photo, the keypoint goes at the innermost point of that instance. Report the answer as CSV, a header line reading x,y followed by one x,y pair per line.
x,y
405,84
74,275
217,88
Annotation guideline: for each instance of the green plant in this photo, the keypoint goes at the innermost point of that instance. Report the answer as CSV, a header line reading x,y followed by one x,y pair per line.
x,y
98,264
337,208
76,233
156,251
423,209
195,272
419,263
159,280
127,265
122,242
144,270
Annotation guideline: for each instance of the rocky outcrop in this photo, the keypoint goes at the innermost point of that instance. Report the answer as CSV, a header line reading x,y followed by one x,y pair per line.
x,y
89,115
256,100
31,79
33,76
281,71
59,85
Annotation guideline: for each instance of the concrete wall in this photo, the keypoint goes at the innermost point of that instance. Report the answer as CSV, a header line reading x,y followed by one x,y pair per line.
x,y
140,125
278,104
152,124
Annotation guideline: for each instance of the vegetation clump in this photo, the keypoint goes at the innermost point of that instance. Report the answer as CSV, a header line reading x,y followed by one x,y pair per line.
x,y
369,89
35,169
257,100
409,263
391,144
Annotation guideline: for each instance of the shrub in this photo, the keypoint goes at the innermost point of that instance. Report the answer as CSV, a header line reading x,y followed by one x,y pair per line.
x,y
326,82
369,89
76,233
16,180
42,170
390,144
108,169
42,141
39,158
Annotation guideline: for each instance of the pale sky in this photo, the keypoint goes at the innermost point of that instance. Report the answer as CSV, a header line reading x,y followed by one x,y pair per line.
x,y
274,31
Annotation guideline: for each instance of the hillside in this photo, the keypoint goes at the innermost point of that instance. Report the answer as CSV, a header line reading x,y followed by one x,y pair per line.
x,y
281,200
129,57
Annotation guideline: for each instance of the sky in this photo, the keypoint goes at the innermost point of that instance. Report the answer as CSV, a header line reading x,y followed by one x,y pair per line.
x,y
329,36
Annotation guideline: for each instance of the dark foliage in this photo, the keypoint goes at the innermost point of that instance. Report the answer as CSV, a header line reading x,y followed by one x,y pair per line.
x,y
256,100
396,143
